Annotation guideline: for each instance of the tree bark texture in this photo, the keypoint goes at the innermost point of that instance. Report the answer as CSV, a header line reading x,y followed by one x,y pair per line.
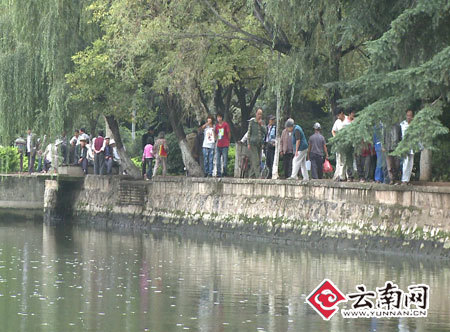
x,y
125,159
173,109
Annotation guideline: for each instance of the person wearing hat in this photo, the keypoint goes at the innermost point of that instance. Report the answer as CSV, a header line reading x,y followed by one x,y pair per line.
x,y
83,155
269,142
317,150
150,134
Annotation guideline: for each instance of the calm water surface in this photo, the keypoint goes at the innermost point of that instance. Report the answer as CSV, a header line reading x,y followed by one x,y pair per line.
x,y
86,280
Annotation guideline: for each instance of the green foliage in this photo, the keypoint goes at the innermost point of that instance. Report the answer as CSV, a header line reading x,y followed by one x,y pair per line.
x,y
175,164
231,159
441,160
9,160
37,40
137,161
409,69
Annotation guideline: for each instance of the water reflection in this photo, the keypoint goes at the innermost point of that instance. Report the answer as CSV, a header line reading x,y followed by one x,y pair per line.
x,y
74,279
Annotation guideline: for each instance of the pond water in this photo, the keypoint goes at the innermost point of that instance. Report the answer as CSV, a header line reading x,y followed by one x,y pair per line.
x,y
78,279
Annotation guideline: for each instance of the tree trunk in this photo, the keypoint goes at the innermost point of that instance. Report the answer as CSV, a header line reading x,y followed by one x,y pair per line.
x,y
277,143
425,165
246,110
125,159
173,108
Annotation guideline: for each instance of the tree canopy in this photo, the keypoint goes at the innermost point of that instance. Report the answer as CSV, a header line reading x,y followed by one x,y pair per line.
x,y
164,62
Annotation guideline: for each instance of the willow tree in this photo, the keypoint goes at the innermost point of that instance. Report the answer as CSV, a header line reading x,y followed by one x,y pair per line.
x,y
37,41
409,69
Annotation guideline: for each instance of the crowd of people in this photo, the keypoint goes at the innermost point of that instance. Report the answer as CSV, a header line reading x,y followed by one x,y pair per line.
x,y
81,150
368,161
372,161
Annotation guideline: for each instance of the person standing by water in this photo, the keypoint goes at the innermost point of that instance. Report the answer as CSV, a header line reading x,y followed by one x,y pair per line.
x,y
99,153
391,138
109,156
150,134
270,141
208,146
381,161
20,144
40,148
287,150
223,135
147,157
161,150
255,137
31,150
408,161
340,173
317,150
74,147
83,157
300,146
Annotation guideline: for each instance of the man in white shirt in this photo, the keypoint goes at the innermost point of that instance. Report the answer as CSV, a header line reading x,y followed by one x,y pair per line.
x,y
339,174
408,161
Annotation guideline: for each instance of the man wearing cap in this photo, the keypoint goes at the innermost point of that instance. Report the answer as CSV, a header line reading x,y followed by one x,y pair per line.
x,y
317,149
270,141
149,134
300,146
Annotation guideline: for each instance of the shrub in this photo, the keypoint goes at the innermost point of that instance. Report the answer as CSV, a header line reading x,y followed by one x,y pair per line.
x,y
9,160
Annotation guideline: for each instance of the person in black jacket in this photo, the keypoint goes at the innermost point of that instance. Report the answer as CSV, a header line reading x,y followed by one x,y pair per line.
x,y
150,134
83,161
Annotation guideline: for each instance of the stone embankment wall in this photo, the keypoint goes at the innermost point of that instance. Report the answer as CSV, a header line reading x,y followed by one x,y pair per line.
x,y
410,219
22,195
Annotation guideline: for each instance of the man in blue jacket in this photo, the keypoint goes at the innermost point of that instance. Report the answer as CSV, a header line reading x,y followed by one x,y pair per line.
x,y
300,145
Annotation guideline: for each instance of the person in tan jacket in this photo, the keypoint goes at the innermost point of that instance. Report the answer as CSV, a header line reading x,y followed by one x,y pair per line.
x,y
287,151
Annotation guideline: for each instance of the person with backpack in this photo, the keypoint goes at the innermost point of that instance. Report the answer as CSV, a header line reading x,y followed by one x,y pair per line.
x,y
99,153
161,150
